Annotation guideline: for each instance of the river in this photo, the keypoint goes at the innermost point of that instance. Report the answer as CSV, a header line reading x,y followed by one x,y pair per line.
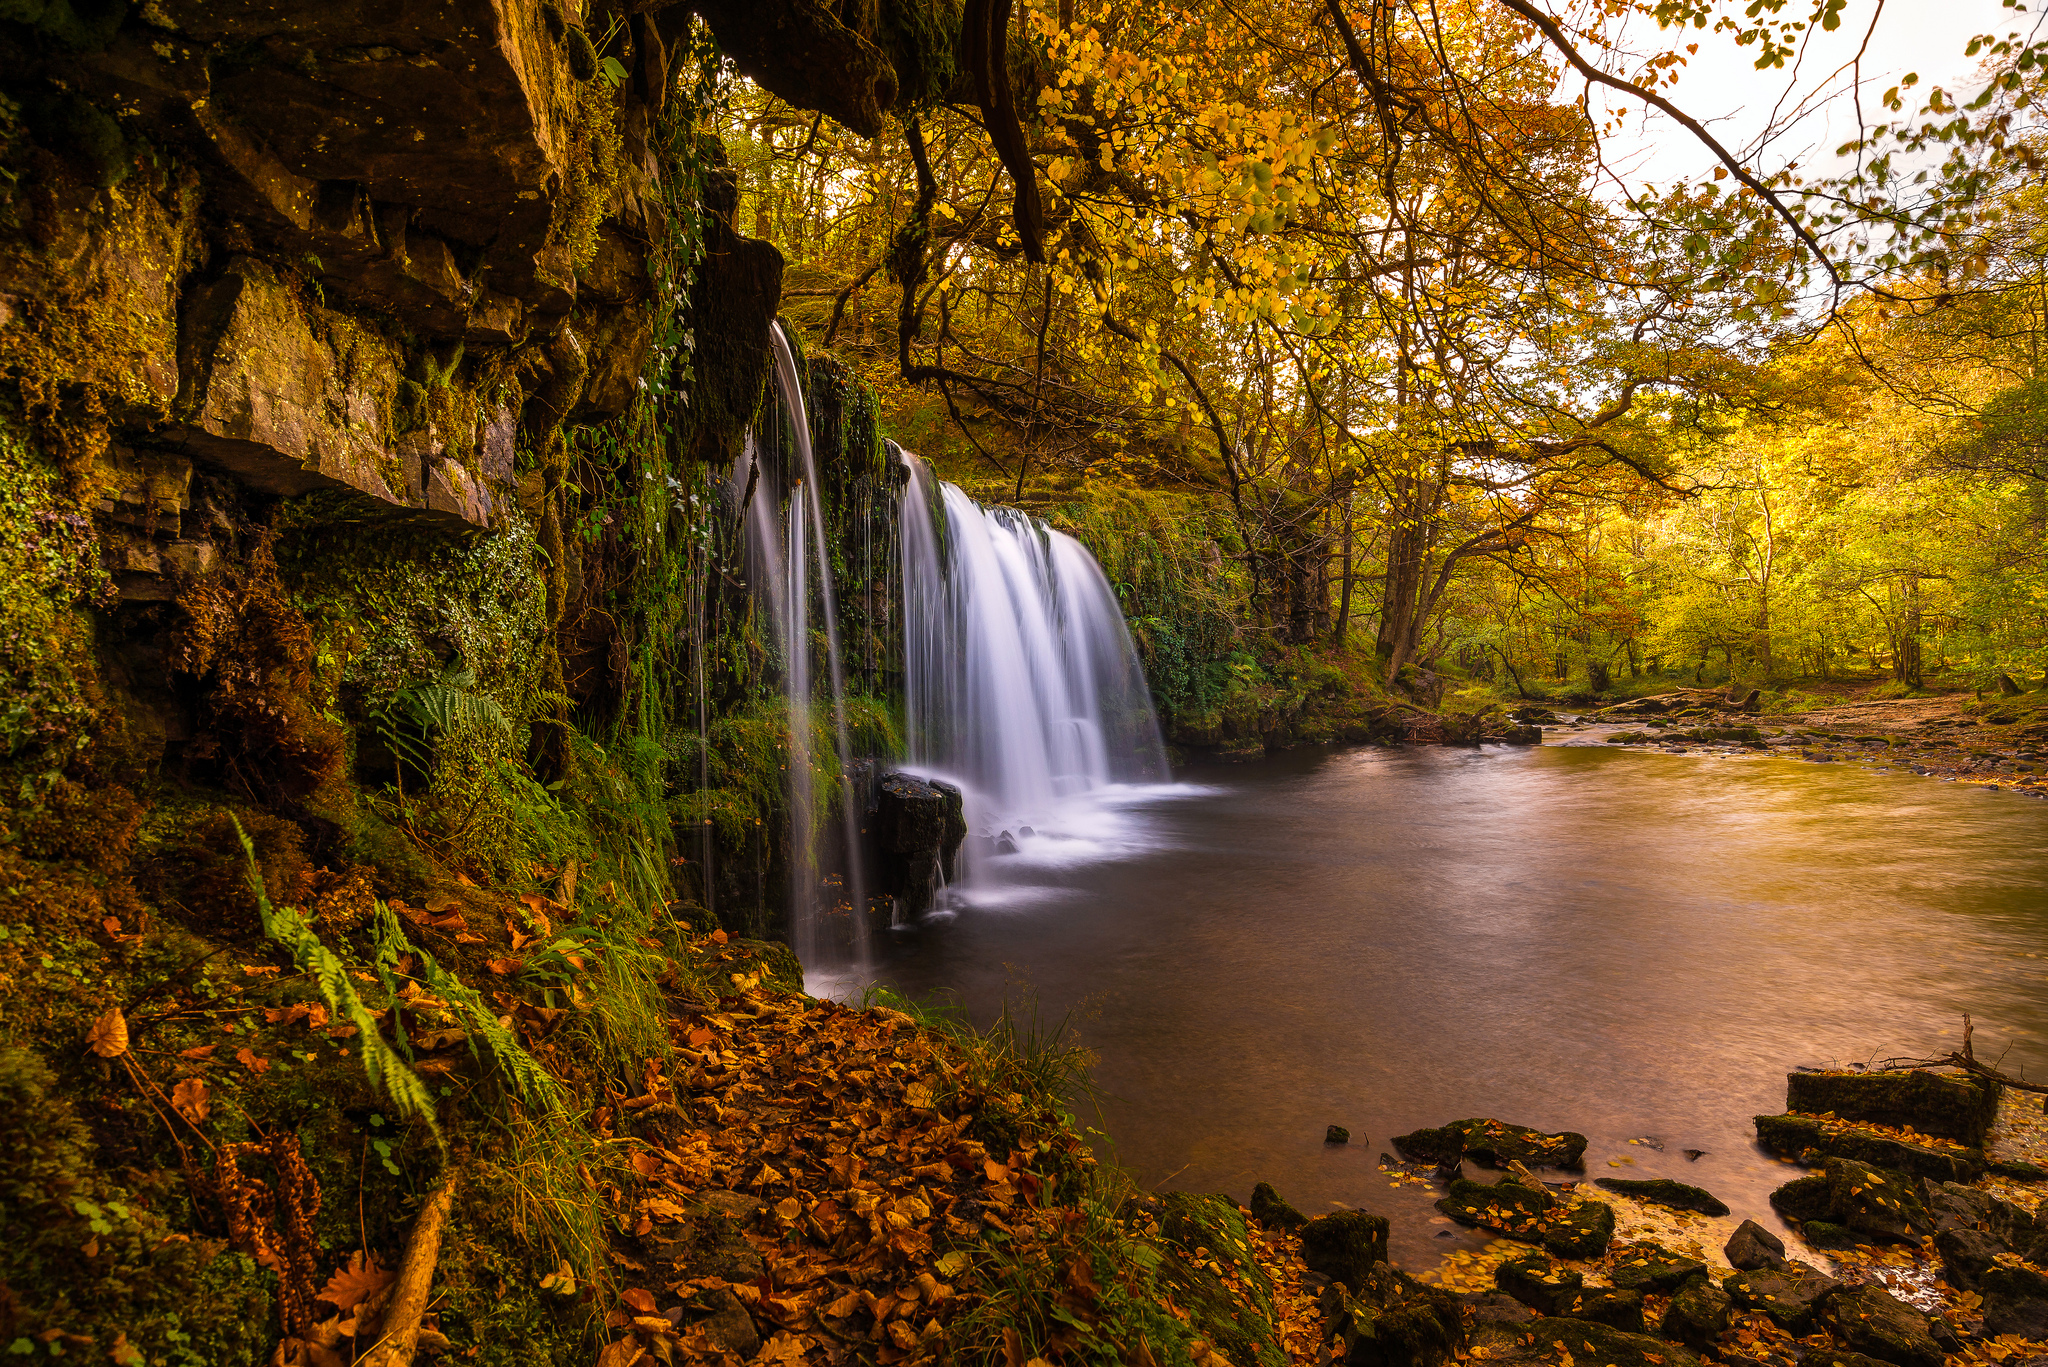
x,y
1635,946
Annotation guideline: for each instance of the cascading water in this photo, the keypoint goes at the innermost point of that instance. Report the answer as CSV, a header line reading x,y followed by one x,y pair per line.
x,y
786,559
1021,681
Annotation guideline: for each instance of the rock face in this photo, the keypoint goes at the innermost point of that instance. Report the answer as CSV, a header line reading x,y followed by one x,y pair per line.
x,y
916,827
1872,1321
1974,1229
2015,1301
1947,1107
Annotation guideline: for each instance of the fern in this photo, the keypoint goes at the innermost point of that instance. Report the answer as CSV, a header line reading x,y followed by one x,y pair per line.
x,y
532,1083
387,1072
411,720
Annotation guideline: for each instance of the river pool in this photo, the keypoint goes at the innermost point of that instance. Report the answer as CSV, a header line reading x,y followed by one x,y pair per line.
x,y
1632,945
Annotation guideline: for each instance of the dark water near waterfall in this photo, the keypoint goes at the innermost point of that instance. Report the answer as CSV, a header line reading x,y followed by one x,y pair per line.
x,y
1629,945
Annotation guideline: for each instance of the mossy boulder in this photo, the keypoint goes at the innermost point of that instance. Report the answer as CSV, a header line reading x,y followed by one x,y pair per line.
x,y
2015,1301
1396,1321
1497,1143
1665,1192
1611,1306
1876,1201
1588,1342
1344,1246
1579,1229
1804,1198
1651,1267
1829,1235
1232,1309
1789,1295
1944,1105
1809,1137
1443,1147
1871,1320
1271,1211
1540,1282
1698,1315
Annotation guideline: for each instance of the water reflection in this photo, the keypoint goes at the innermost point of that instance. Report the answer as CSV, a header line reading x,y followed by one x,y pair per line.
x,y
1624,944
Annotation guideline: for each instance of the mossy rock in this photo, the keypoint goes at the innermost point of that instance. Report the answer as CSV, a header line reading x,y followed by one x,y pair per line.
x,y
1788,1296
1698,1315
1946,1106
1805,1136
1588,1342
1611,1306
1580,1231
1878,1202
1650,1267
1444,1147
1872,1321
1570,1230
1272,1212
1236,1314
1802,1199
1396,1321
1828,1235
1665,1192
1540,1282
1497,1143
1344,1246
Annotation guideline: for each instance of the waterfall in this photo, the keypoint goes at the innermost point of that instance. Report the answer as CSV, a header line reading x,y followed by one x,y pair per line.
x,y
789,558
1021,681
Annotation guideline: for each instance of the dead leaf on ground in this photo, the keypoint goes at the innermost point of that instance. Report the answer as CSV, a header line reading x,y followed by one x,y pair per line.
x,y
637,1299
189,1098
504,968
198,1051
109,1034
357,1282
252,1060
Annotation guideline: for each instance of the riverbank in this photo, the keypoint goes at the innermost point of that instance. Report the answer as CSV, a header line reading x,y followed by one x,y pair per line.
x,y
1999,743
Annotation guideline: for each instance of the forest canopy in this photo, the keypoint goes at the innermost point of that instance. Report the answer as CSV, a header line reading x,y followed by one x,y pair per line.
x,y
1352,302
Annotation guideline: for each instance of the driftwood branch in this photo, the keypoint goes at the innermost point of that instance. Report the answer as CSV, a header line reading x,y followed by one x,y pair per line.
x,y
1966,1060
415,1279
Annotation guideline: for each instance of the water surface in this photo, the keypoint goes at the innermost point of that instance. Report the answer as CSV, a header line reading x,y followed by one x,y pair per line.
x,y
1625,944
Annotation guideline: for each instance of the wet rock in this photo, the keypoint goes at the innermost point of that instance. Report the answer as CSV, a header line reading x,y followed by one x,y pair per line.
x,y
1522,735
1571,1230
1648,1267
2015,1302
1872,1321
1497,1143
1612,1307
1804,1198
1336,1134
1788,1295
1006,843
1752,1246
1396,1321
1698,1315
728,1325
1874,1201
1581,1231
1809,1137
1344,1246
1445,1147
1665,1192
1837,1357
1829,1235
1947,1107
916,826
2018,1171
1588,1342
1494,1307
1540,1282
1272,1212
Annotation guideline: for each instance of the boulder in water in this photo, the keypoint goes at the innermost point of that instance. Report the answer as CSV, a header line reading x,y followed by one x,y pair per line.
x,y
1588,1342
1870,1320
1271,1211
1651,1267
1698,1315
1942,1105
1344,1246
1394,1321
1443,1148
1665,1192
1876,1201
1540,1282
914,827
1497,1143
1788,1295
1006,843
1336,1134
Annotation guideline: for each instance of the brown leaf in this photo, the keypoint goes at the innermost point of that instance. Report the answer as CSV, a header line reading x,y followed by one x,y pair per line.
x,y
635,1298
190,1100
251,1060
109,1034
624,1353
505,968
198,1051
124,1353
468,939
646,1164
357,1282
1013,1348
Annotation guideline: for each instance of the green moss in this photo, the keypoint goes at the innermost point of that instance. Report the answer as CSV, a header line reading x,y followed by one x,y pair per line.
x,y
595,156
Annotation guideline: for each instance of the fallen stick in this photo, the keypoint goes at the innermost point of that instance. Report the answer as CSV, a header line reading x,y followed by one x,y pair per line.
x,y
408,1301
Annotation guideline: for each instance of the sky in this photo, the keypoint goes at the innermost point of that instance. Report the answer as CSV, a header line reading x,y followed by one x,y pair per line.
x,y
1721,86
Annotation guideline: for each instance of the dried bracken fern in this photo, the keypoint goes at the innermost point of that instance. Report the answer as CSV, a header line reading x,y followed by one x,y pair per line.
x,y
273,1223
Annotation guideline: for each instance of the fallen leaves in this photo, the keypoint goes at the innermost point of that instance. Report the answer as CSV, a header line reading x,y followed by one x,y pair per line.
x,y
108,1036
361,1279
251,1060
191,1100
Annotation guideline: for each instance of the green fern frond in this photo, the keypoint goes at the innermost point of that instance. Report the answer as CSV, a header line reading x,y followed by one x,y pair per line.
x,y
532,1083
387,1072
